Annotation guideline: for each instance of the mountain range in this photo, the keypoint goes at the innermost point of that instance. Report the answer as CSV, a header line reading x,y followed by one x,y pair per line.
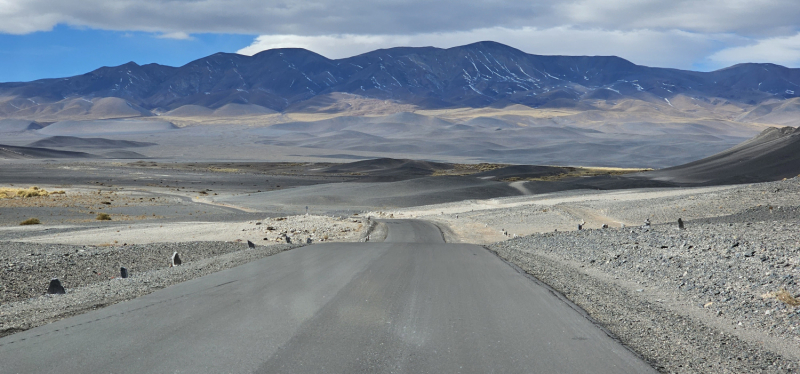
x,y
483,74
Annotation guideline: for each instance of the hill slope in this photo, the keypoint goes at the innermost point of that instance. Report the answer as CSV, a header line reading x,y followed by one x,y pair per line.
x,y
772,155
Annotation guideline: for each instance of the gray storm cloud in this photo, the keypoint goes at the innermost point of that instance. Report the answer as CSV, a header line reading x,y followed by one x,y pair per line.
x,y
752,18
671,33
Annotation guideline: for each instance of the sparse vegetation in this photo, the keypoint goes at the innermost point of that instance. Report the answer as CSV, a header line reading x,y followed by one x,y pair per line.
x,y
223,170
9,193
467,169
576,172
30,221
103,217
787,297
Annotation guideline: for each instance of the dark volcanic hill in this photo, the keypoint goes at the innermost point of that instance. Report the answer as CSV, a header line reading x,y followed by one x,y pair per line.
x,y
73,141
475,75
772,155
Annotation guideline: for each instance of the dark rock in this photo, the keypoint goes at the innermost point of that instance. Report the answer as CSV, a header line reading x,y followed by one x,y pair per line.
x,y
123,272
176,260
680,224
55,287
250,244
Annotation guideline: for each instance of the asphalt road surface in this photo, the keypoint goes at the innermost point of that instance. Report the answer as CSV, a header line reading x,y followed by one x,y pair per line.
x,y
412,304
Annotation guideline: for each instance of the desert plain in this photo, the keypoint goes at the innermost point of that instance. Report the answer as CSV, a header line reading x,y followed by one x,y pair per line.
x,y
594,219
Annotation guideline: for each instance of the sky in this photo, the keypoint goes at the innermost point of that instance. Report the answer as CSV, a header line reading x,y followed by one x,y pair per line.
x,y
59,38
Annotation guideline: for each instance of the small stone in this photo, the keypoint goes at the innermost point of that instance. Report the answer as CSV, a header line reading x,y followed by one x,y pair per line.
x,y
123,272
680,224
308,240
288,240
55,287
251,245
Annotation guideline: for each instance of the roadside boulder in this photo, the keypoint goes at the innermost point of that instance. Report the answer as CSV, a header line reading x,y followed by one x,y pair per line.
x,y
176,259
55,287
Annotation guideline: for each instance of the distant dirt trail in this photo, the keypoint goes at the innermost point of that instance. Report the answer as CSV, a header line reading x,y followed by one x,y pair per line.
x,y
520,185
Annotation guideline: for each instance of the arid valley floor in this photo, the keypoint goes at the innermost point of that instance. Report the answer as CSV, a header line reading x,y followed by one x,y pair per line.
x,y
716,296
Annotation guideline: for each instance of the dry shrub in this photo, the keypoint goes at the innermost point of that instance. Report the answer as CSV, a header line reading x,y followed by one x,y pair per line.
x,y
30,221
103,217
8,193
787,298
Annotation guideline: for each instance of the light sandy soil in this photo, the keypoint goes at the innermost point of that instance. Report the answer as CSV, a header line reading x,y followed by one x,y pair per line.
x,y
156,215
493,220
317,228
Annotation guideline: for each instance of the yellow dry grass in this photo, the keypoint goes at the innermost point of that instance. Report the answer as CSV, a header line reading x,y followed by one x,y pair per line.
x,y
224,170
783,296
576,172
9,193
30,221
464,114
467,169
787,298
103,217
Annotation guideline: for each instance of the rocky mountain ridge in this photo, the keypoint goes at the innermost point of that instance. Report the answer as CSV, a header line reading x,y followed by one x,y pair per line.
x,y
476,75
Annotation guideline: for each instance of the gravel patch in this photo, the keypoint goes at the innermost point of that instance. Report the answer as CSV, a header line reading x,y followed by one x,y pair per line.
x,y
91,275
703,299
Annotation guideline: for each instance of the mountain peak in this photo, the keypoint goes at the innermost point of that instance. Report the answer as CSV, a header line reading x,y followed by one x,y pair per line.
x,y
489,45
480,74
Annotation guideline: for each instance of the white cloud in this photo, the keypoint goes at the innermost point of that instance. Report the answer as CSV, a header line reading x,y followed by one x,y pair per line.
x,y
782,50
178,35
646,47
